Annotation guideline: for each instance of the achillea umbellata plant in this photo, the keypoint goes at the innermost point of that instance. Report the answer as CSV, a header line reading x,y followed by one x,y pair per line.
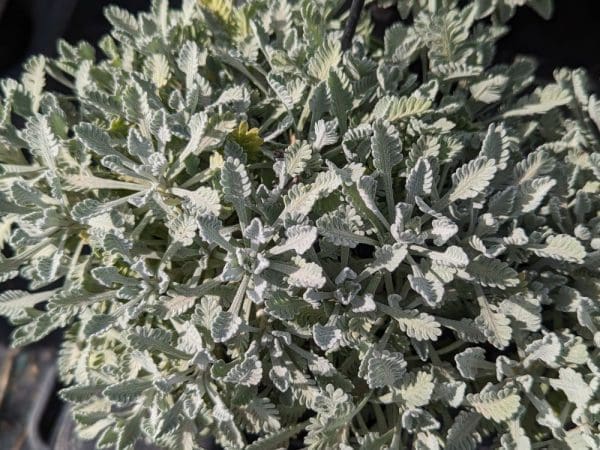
x,y
253,234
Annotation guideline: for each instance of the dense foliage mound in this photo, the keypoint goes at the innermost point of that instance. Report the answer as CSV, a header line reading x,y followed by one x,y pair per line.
x,y
253,234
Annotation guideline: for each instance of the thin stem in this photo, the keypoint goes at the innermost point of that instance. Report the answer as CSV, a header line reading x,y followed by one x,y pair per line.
x,y
344,257
380,417
239,295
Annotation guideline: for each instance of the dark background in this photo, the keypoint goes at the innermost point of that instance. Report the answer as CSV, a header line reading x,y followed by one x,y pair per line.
x,y
28,27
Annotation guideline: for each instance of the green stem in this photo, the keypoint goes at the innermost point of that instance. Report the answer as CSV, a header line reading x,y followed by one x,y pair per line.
x,y
239,295
345,256
380,416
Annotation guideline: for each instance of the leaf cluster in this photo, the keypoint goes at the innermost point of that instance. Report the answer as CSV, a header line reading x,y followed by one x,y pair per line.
x,y
252,235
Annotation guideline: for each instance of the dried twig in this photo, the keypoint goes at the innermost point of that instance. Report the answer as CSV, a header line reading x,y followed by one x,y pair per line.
x,y
355,10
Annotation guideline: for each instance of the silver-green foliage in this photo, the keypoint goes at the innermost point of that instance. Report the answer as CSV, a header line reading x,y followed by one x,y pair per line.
x,y
253,235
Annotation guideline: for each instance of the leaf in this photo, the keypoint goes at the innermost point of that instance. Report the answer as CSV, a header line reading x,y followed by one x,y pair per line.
x,y
442,230
278,85
300,238
495,325
342,230
122,20
108,275
471,363
502,203
23,194
561,247
547,349
324,134
326,336
48,266
489,90
594,112
307,275
492,272
319,101
158,67
42,141
296,158
472,179
536,164
431,291
415,391
261,415
340,96
385,369
282,306
399,108
130,432
462,434
189,59
246,373
531,193
497,406
455,71
127,391
225,326
395,42
281,377
86,210
386,147
544,8
157,340
541,101
327,56
453,256
299,201
209,226
524,309
98,324
419,181
236,185
418,325
572,384
465,329
496,145
14,303
176,305
34,78
81,393
388,257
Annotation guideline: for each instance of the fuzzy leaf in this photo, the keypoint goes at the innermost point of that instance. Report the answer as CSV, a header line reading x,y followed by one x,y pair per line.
x,y
419,180
14,303
385,369
572,384
472,179
155,340
431,291
308,275
225,326
296,157
246,373
299,239
420,326
497,406
492,273
561,247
